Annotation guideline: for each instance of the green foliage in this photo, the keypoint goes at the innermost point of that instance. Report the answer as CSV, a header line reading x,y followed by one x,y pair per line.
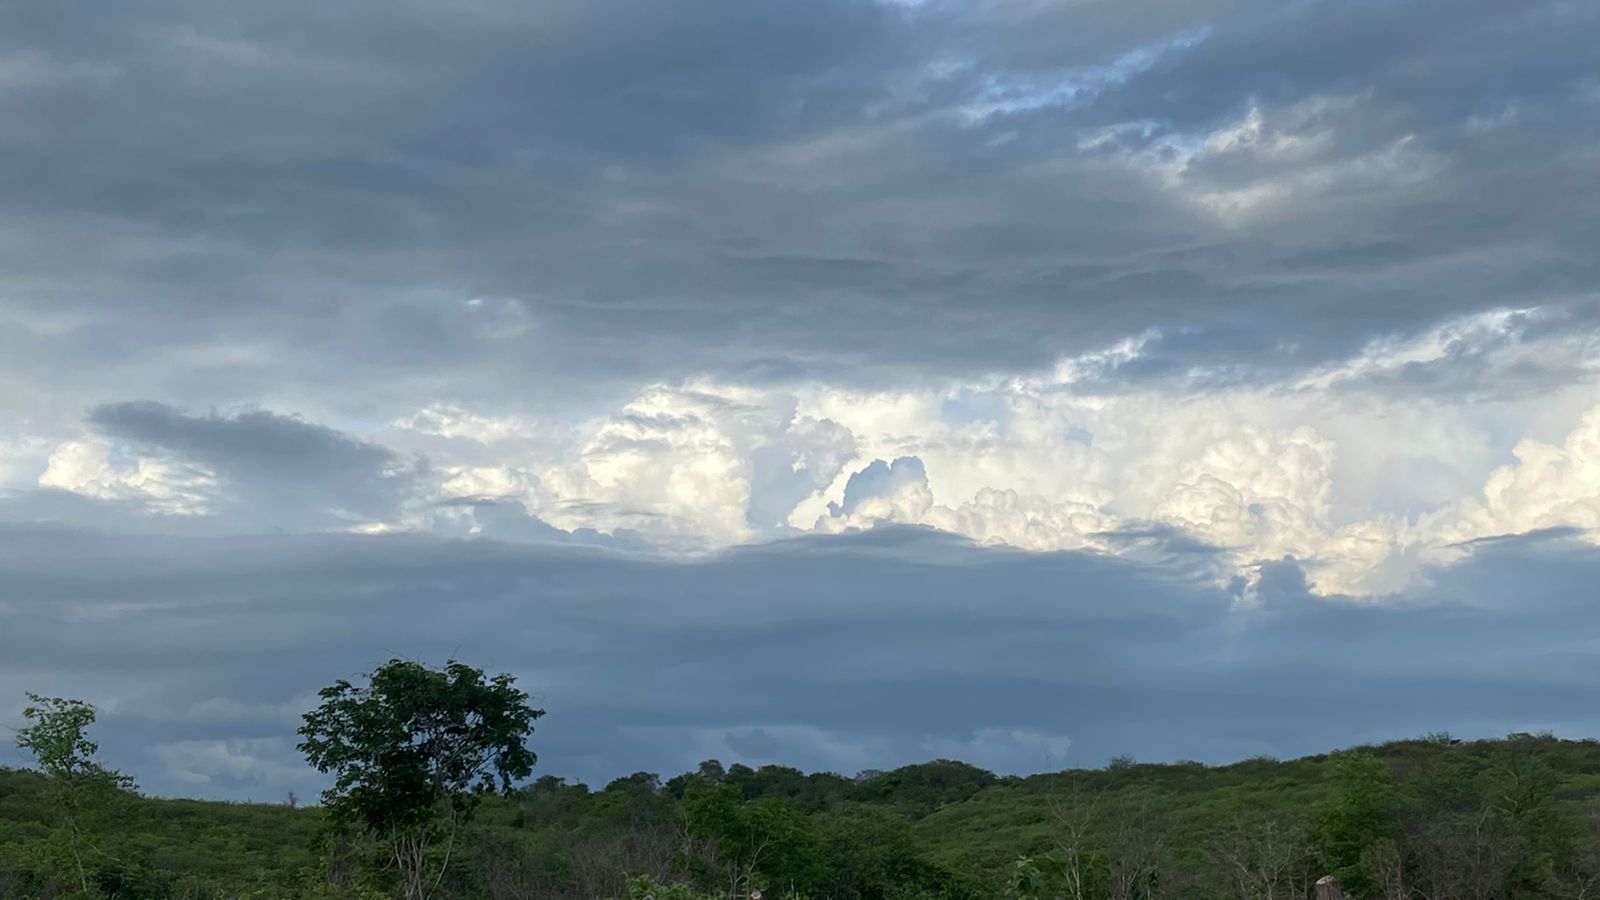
x,y
414,738
57,740
1031,881
1499,820
643,887
412,753
1356,818
922,789
78,788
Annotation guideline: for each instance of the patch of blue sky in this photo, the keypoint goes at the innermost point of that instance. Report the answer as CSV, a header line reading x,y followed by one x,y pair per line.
x,y
1010,93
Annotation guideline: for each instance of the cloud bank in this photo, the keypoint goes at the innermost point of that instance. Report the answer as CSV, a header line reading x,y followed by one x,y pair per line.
x,y
843,383
1040,462
826,652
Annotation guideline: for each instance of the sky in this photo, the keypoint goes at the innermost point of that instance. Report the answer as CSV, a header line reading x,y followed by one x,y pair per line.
x,y
838,384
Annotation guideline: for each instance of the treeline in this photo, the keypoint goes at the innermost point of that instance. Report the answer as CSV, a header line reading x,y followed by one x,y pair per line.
x,y
1428,819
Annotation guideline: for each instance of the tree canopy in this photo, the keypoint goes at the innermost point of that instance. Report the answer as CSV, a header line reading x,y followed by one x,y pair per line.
x,y
414,749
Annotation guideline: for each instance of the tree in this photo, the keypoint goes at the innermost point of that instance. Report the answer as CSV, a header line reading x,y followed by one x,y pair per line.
x,y
722,845
413,751
1356,819
1579,877
1266,856
78,784
643,887
1135,841
1076,814
1030,881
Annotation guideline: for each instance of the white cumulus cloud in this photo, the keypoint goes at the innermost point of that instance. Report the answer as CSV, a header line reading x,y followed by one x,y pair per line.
x,y
164,485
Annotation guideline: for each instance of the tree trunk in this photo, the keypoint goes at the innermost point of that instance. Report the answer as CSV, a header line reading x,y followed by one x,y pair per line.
x,y
77,856
1327,888
411,858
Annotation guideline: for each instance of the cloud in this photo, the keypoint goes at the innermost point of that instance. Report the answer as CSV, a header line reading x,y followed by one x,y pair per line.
x,y
1216,305
1498,353
1005,749
382,203
1040,463
1549,486
896,491
836,652
235,765
1031,522
676,464
162,484
257,468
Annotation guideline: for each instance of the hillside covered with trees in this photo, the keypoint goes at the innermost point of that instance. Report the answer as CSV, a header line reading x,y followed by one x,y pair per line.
x,y
1428,818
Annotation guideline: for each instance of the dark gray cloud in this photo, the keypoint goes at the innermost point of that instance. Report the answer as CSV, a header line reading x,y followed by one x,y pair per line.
x,y
867,650
271,471
299,195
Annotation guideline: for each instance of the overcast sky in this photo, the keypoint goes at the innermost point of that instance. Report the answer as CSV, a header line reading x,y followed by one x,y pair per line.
x,y
842,383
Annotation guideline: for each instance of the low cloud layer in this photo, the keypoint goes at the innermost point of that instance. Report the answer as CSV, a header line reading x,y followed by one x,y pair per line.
x,y
826,652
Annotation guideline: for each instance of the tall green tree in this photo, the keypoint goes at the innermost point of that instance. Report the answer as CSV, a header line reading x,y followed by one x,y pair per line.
x,y
78,785
1356,819
412,751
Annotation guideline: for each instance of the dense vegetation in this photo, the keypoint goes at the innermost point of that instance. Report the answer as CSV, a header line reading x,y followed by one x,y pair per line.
x,y
1431,818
